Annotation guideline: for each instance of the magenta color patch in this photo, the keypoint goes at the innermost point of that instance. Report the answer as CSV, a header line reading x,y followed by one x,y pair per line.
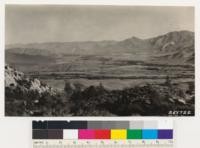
x,y
86,134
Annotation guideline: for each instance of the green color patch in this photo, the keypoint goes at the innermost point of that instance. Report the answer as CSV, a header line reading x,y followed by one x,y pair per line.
x,y
134,134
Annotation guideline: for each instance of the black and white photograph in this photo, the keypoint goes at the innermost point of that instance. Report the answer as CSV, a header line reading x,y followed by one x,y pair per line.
x,y
99,60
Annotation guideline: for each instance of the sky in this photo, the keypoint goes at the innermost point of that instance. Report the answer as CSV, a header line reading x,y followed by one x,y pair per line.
x,y
65,23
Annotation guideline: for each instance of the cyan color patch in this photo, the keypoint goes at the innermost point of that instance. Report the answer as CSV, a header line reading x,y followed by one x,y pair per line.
x,y
149,134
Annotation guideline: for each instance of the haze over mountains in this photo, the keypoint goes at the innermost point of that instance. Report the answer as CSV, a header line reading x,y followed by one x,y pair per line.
x,y
176,48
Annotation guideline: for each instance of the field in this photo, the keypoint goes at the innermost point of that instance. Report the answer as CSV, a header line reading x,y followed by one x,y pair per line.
x,y
113,73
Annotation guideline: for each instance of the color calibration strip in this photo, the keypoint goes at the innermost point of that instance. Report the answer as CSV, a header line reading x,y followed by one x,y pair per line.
x,y
94,130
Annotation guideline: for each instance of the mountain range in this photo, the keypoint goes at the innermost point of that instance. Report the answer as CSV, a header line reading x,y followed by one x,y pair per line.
x,y
172,48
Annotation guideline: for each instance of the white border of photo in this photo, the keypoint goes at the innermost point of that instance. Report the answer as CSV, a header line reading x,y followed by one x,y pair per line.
x,y
187,131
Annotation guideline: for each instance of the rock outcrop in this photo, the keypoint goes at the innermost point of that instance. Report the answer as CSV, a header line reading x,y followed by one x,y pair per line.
x,y
14,78
28,97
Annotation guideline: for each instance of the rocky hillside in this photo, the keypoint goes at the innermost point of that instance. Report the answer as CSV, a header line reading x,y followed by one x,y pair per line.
x,y
29,97
14,79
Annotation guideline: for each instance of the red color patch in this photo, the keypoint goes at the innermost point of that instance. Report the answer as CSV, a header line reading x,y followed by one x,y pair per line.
x,y
102,134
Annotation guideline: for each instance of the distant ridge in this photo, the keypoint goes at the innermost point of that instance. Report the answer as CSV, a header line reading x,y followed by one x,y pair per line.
x,y
177,46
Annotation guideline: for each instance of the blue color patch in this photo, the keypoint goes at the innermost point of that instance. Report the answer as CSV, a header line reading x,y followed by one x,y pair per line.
x,y
149,134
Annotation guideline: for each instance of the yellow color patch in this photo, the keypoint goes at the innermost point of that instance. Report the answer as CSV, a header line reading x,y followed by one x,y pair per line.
x,y
118,134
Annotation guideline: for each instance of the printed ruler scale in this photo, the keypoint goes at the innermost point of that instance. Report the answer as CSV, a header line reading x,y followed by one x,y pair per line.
x,y
103,134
